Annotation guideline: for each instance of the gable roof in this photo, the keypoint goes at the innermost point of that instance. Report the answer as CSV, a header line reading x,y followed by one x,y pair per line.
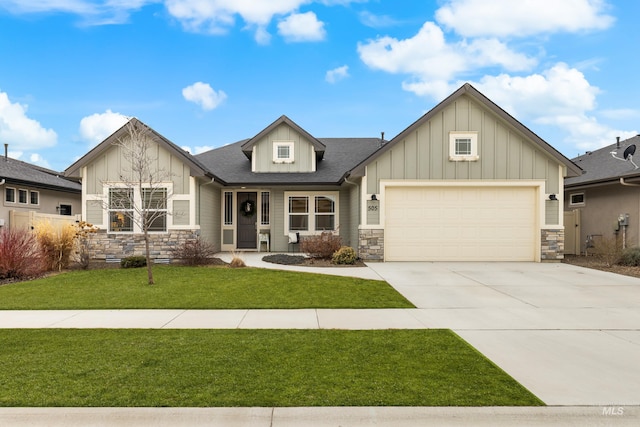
x,y
342,154
196,167
469,90
600,166
18,172
247,146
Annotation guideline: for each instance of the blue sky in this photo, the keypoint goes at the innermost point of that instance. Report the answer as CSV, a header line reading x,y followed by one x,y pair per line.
x,y
205,73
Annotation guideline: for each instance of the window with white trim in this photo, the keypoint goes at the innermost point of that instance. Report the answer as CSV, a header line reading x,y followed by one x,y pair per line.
x,y
228,208
311,213
10,195
463,146
576,199
154,203
22,196
121,210
283,152
34,197
264,208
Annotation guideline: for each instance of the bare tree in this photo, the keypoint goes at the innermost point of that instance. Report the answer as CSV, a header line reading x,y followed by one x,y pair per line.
x,y
141,197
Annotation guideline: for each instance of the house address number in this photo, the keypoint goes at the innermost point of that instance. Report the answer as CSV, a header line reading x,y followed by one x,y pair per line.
x,y
372,208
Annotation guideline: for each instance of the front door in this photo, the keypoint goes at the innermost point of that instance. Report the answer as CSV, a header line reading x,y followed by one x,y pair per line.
x,y
247,217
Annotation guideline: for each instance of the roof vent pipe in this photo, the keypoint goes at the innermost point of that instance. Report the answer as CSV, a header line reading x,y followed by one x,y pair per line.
x,y
381,139
617,142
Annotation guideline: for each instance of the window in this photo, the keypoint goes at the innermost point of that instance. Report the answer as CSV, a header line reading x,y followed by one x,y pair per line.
x,y
463,146
299,213
264,211
576,199
65,209
154,202
283,152
121,210
228,208
34,197
22,196
325,213
10,195
311,213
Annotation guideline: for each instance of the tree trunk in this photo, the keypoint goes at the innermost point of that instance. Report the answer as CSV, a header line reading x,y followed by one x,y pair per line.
x,y
148,255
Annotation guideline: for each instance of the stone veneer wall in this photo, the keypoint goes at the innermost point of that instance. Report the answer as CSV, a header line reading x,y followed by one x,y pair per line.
x,y
371,244
552,245
105,245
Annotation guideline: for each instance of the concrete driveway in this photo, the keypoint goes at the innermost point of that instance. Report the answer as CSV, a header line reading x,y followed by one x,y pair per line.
x,y
571,335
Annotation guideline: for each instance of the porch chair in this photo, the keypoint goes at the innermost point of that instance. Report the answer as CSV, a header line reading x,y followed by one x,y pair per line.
x,y
263,238
294,240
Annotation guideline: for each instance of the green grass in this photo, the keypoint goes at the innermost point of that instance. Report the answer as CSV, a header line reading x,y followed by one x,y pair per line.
x,y
198,368
198,288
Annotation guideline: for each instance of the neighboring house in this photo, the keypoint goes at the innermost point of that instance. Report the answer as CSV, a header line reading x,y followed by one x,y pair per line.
x,y
27,188
464,182
604,202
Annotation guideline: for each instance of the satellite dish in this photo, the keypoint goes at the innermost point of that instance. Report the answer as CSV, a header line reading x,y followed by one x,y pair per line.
x,y
627,155
629,151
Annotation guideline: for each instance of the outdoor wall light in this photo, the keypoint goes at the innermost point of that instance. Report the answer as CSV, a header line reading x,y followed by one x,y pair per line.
x,y
552,197
373,197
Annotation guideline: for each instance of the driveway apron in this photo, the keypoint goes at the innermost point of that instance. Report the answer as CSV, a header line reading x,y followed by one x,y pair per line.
x,y
571,335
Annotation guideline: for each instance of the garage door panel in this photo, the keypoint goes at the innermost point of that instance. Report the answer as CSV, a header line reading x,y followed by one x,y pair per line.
x,y
460,223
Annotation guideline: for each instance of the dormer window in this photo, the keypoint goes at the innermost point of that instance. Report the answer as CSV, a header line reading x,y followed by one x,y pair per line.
x,y
283,152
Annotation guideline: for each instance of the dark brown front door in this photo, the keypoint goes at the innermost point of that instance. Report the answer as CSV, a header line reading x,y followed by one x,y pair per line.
x,y
247,217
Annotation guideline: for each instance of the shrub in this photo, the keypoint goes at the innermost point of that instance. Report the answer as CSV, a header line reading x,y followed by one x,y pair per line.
x,y
321,246
83,231
345,255
236,261
630,257
133,261
609,248
20,255
194,252
56,244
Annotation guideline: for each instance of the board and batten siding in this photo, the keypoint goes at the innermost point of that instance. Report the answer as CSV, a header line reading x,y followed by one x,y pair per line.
x,y
112,166
504,154
304,153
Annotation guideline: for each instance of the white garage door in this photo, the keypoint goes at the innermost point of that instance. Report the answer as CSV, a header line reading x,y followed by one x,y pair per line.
x,y
460,224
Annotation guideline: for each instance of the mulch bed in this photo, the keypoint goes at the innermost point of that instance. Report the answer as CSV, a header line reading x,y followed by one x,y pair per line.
x,y
598,262
285,259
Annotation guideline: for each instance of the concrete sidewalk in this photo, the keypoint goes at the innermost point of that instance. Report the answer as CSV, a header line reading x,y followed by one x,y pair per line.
x,y
321,417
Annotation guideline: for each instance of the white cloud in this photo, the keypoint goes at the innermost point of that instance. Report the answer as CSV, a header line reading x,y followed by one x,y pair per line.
x,y
218,16
97,127
376,21
560,97
432,62
37,159
337,74
92,12
17,129
198,149
473,18
302,27
203,95
558,91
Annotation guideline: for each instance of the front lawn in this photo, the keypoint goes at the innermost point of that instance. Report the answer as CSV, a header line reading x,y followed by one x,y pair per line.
x,y
249,368
197,288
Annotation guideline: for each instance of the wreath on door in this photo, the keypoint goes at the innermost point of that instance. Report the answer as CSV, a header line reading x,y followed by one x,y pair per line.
x,y
248,208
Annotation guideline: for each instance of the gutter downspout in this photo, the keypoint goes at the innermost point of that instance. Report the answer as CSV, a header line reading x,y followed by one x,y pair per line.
x,y
624,226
